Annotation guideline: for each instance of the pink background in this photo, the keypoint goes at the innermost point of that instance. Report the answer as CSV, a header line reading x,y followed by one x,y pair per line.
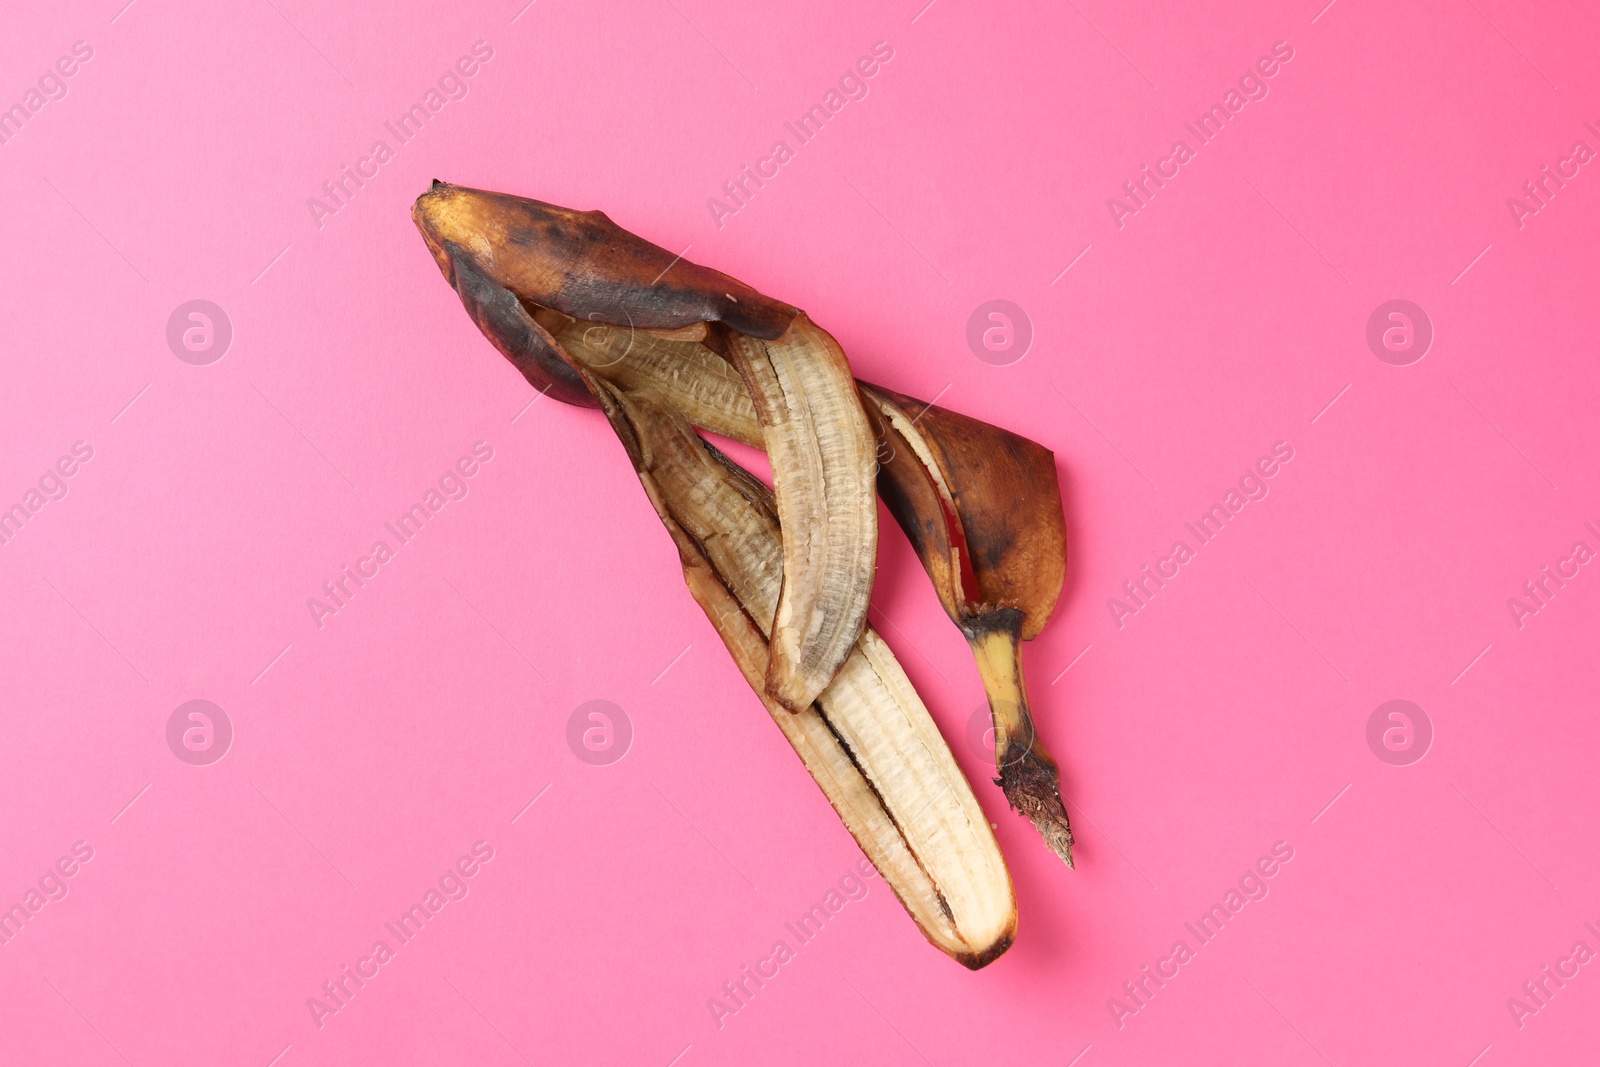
x,y
1225,316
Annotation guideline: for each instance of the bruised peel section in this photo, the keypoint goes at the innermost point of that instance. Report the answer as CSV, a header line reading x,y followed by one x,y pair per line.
x,y
912,499
586,266
507,324
1008,497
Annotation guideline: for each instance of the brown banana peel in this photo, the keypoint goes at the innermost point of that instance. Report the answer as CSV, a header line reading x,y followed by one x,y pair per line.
x,y
867,740
568,295
584,266
980,505
826,500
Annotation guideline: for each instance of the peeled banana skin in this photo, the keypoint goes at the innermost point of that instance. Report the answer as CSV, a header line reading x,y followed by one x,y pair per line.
x,y
583,266
980,505
867,740
558,290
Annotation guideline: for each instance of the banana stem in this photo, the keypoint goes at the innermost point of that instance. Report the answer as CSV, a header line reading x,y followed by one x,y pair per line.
x,y
1028,773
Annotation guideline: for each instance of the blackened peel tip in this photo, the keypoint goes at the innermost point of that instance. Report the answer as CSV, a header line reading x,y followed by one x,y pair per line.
x,y
977,961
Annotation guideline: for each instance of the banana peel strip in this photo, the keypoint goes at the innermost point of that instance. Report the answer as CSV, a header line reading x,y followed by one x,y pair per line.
x,y
867,740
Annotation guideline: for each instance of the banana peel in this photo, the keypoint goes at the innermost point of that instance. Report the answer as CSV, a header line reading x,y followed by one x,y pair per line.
x,y
980,505
586,267
596,316
867,740
982,508
827,505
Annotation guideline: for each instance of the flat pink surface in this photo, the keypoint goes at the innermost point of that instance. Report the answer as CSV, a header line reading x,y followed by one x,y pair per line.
x,y
1176,341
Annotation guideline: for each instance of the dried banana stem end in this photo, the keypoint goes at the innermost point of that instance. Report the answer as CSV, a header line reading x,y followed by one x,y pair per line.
x,y
1028,773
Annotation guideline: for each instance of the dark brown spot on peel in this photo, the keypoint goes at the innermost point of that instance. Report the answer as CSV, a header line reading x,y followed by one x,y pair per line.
x,y
978,961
